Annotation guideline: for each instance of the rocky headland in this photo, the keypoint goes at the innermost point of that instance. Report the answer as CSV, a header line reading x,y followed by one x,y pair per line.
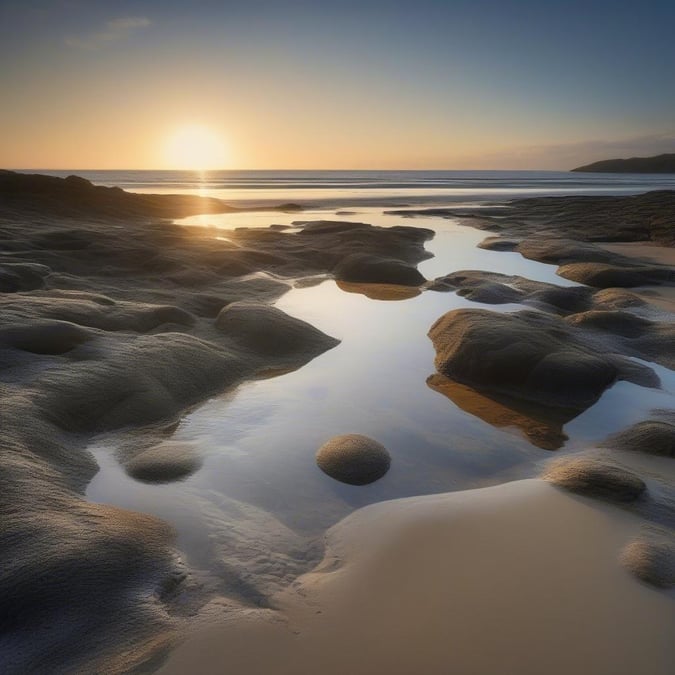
x,y
658,164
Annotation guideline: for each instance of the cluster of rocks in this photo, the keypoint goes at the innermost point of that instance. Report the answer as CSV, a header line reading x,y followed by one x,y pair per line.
x,y
651,557
643,217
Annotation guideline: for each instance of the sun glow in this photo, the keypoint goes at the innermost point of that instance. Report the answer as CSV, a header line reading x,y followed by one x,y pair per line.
x,y
196,148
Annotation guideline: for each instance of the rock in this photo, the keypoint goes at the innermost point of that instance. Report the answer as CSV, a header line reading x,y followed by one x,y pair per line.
x,y
552,250
144,379
612,321
90,311
45,337
616,298
266,330
365,268
495,288
596,479
498,244
491,294
651,560
526,355
76,197
631,334
16,277
562,300
353,459
169,461
601,275
645,217
653,437
313,227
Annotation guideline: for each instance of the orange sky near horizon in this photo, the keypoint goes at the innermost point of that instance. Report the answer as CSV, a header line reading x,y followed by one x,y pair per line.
x,y
350,85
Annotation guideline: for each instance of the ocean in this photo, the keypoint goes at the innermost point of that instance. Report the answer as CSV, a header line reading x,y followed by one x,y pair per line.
x,y
395,188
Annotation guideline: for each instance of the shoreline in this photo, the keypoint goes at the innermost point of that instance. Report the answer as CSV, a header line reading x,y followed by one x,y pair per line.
x,y
417,585
105,327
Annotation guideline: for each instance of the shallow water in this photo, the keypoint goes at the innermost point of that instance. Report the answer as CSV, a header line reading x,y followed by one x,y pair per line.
x,y
378,187
259,440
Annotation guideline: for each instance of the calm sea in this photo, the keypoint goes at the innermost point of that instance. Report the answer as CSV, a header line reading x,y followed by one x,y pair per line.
x,y
374,187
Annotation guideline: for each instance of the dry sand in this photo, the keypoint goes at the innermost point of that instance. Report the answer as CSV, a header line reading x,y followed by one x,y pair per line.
x,y
520,578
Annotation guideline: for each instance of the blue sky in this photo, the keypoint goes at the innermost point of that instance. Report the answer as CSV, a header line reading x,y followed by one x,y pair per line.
x,y
426,84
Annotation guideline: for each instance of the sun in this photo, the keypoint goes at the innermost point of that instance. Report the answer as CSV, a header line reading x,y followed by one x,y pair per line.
x,y
195,147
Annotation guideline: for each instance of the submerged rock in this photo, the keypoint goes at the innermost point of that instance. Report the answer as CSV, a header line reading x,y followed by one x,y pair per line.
x,y
498,244
44,337
596,479
353,459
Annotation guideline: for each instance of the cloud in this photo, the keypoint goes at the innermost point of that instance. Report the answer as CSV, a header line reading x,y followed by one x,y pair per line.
x,y
113,31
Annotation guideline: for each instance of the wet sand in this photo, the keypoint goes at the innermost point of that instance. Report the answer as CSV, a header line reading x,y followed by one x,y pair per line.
x,y
518,578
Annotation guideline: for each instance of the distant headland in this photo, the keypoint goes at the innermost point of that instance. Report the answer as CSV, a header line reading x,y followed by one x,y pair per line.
x,y
658,164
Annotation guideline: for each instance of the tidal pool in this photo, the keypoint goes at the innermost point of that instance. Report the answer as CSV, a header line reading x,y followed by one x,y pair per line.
x,y
258,441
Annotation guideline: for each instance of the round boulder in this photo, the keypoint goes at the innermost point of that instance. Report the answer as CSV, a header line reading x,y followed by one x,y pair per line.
x,y
164,463
651,436
593,478
353,459
651,560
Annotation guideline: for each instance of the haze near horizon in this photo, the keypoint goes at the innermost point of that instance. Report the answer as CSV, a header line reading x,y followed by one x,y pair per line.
x,y
300,85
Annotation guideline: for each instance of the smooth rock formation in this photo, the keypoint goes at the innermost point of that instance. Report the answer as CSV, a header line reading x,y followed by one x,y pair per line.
x,y
364,268
553,250
164,463
593,478
644,217
45,337
76,197
633,335
498,244
267,331
651,560
602,275
525,355
353,459
653,437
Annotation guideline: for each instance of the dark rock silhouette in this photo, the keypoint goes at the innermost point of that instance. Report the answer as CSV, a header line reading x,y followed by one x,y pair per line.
x,y
657,164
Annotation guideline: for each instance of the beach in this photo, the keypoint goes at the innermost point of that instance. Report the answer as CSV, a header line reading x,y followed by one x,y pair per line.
x,y
168,374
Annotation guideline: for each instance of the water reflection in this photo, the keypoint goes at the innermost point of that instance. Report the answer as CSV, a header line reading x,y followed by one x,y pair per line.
x,y
258,442
543,428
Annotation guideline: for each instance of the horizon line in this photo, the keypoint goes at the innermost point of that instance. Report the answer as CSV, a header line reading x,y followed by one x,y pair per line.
x,y
277,169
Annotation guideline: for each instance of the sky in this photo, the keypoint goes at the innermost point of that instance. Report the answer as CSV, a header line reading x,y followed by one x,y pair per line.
x,y
283,84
